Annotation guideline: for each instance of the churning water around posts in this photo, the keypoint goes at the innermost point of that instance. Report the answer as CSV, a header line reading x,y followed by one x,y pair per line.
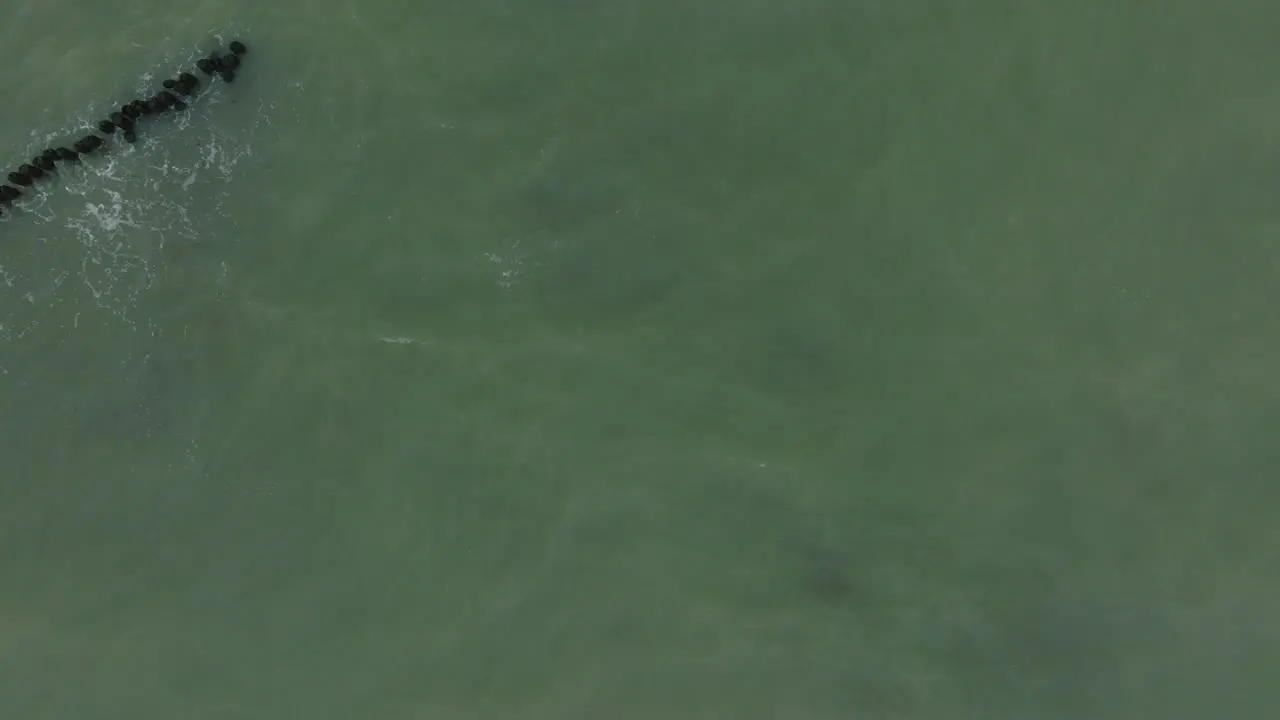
x,y
88,241
103,260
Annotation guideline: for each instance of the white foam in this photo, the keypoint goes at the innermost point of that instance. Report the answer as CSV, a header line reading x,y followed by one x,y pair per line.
x,y
118,206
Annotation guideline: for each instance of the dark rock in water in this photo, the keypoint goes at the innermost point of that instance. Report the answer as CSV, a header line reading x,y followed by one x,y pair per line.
x,y
88,143
219,63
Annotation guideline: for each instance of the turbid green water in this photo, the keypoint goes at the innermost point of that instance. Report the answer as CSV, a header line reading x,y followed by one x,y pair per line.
x,y
645,360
